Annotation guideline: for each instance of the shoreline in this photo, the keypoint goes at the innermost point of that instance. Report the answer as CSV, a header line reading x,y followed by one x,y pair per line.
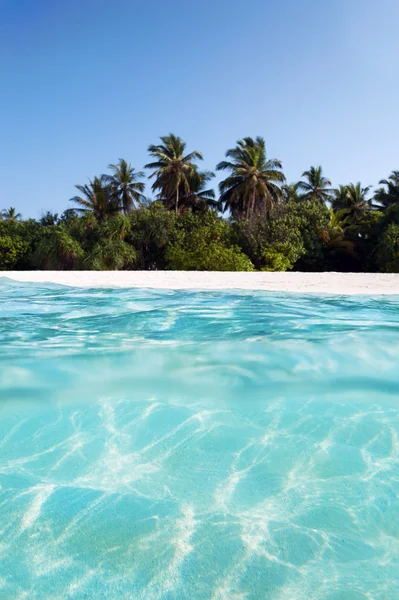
x,y
321,283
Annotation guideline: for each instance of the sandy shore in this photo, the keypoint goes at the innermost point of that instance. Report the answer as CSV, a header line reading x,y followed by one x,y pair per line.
x,y
326,283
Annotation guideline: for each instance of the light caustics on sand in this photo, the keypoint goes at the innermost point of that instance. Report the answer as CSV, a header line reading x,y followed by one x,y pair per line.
x,y
184,445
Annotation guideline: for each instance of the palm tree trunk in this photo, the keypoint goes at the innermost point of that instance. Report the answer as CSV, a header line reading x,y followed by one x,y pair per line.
x,y
253,203
177,199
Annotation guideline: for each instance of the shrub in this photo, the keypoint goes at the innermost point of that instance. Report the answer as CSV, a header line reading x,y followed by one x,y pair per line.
x,y
58,250
12,249
387,251
202,243
272,241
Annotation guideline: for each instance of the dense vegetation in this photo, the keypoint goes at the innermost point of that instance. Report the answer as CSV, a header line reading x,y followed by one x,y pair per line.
x,y
258,221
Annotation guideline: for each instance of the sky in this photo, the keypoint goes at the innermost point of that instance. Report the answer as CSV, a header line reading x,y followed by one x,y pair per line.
x,y
85,82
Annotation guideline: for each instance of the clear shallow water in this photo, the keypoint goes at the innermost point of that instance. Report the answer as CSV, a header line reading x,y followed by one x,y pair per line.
x,y
180,445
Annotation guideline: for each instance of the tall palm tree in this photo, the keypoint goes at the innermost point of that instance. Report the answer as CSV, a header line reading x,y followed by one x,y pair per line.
x,y
10,214
291,192
254,181
340,200
353,200
316,186
388,195
97,198
172,169
125,185
200,197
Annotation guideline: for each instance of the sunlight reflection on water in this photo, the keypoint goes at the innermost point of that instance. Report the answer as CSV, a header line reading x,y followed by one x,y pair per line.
x,y
171,445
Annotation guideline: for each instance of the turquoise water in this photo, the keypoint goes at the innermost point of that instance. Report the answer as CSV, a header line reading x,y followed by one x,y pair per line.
x,y
163,445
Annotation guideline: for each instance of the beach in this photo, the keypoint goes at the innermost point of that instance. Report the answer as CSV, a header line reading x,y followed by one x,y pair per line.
x,y
319,283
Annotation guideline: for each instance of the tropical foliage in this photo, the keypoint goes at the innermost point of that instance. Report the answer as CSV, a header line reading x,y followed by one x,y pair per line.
x,y
173,171
257,222
10,214
315,186
353,200
388,195
97,197
254,182
125,186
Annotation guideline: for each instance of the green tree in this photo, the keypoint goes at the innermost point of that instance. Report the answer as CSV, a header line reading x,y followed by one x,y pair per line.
x,y
388,195
202,243
313,216
86,243
97,198
49,218
151,230
105,242
335,228
315,186
199,197
125,185
111,255
387,251
254,182
340,252
353,200
272,241
23,238
10,214
58,250
291,192
12,249
173,170
340,199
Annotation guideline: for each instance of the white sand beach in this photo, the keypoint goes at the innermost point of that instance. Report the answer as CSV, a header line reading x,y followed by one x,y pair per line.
x,y
321,283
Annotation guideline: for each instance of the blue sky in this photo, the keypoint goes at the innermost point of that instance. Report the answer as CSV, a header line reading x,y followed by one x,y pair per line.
x,y
85,82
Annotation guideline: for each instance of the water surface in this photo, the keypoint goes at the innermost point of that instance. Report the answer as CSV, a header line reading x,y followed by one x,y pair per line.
x,y
162,445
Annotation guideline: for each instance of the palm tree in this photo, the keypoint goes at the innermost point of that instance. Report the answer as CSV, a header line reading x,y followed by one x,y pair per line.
x,y
199,197
254,181
316,186
173,169
97,198
59,250
388,195
10,214
340,200
333,236
291,192
112,252
353,200
335,229
125,185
